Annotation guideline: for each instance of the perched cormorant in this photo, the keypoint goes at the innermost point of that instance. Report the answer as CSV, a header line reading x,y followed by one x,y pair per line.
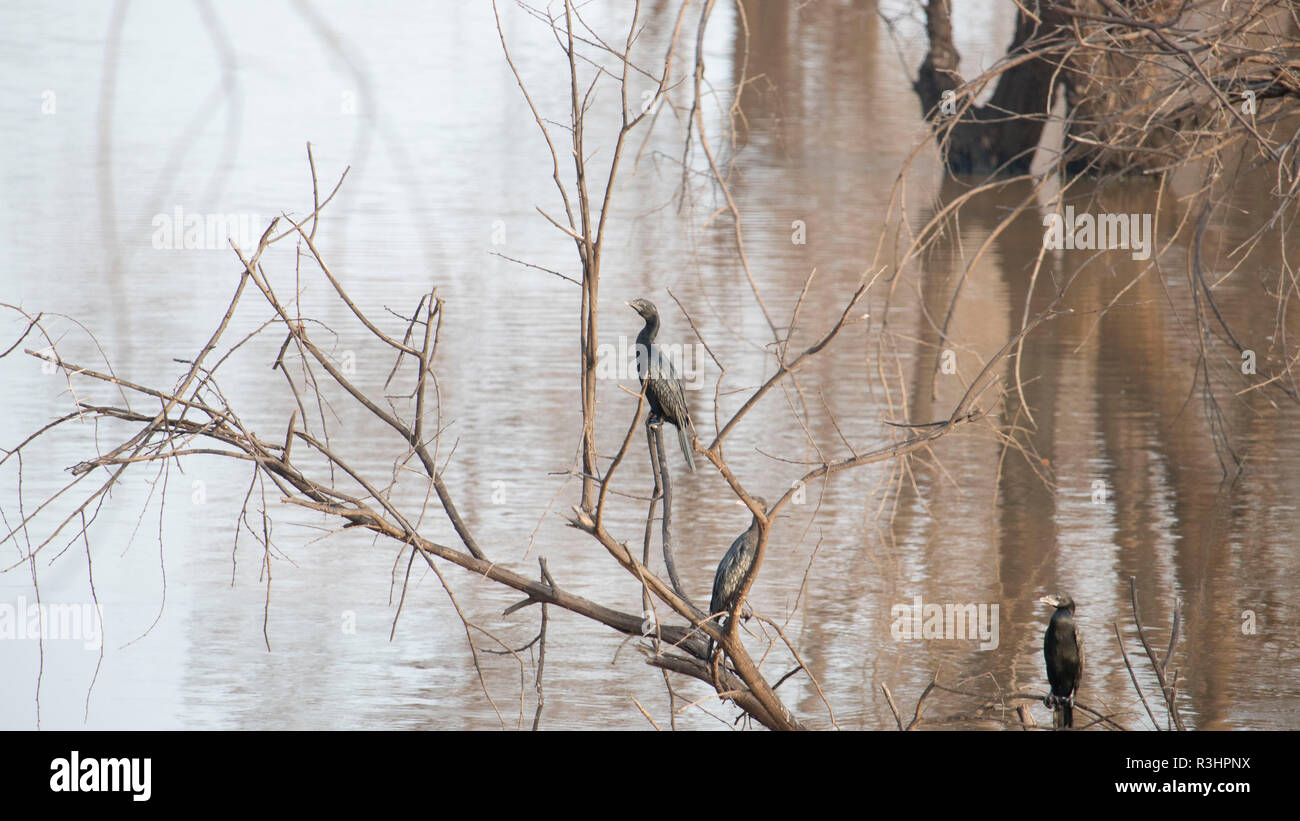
x,y
663,387
733,568
1063,651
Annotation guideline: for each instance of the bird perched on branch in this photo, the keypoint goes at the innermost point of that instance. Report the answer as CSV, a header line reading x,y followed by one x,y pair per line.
x,y
1063,651
663,387
733,569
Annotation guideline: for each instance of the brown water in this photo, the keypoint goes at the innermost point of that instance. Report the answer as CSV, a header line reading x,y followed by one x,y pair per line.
x,y
210,110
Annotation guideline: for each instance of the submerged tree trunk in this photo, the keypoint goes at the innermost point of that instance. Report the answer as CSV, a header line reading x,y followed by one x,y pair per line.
x,y
1000,135
1149,85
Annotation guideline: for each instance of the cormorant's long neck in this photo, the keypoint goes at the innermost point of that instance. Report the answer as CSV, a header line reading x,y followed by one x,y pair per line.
x,y
1062,620
649,332
754,532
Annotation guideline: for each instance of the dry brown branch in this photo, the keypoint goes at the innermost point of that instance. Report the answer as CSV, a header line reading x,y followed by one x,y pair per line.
x,y
1133,676
1160,667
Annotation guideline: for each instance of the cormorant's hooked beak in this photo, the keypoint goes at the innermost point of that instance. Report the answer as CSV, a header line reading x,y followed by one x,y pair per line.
x,y
1053,600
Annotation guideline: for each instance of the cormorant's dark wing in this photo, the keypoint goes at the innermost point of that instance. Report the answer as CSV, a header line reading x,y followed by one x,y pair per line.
x,y
1049,656
724,578
665,385
717,601
668,399
1078,677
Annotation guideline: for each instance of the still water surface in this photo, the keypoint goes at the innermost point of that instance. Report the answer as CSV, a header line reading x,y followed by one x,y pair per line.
x,y
165,106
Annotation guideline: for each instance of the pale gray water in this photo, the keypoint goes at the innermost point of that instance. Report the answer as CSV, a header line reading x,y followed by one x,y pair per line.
x,y
210,111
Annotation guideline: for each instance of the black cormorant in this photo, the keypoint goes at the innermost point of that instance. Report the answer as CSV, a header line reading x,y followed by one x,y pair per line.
x,y
733,569
663,387
1063,651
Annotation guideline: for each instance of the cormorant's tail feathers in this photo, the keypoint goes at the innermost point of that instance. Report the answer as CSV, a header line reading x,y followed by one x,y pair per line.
x,y
1062,712
684,436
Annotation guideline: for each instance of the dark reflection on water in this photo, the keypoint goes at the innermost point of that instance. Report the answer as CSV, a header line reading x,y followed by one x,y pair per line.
x,y
1119,479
